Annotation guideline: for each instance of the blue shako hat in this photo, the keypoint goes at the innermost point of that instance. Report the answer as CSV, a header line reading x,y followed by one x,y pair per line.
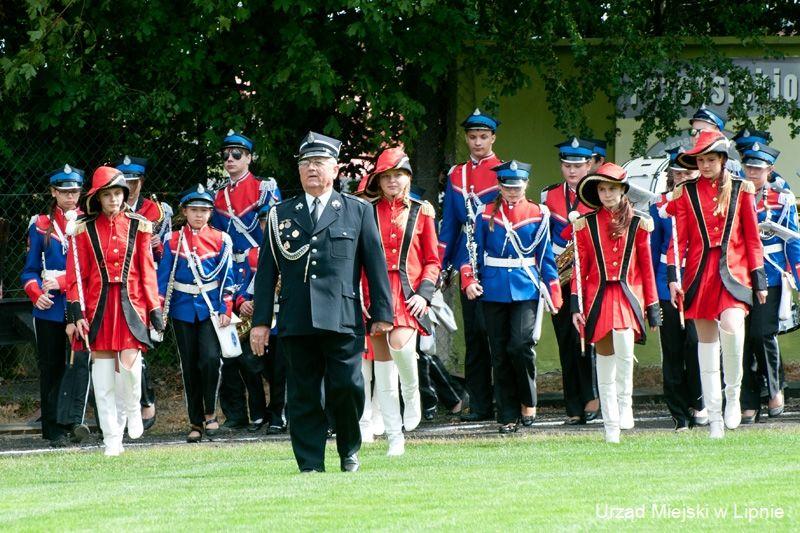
x,y
318,145
237,140
197,196
66,178
759,155
513,173
747,137
705,114
479,120
599,147
132,167
575,150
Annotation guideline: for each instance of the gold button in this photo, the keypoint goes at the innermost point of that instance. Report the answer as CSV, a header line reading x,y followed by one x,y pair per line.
x,y
614,263
114,237
394,250
116,278
716,228
116,251
116,263
393,235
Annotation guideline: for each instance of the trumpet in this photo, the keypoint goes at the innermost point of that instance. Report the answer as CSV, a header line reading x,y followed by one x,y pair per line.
x,y
564,263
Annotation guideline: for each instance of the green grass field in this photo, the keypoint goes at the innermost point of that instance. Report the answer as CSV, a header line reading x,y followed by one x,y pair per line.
x,y
536,481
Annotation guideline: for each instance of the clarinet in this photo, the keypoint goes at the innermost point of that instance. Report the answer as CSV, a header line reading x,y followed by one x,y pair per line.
x,y
469,232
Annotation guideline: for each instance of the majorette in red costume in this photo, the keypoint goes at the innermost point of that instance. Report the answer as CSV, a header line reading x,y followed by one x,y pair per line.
x,y
408,235
720,247
613,288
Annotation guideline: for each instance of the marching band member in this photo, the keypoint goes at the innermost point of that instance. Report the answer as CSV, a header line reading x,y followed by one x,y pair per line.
x,y
577,373
408,236
113,299
44,280
517,267
762,354
681,373
197,259
724,265
160,215
236,207
616,283
598,154
271,368
471,185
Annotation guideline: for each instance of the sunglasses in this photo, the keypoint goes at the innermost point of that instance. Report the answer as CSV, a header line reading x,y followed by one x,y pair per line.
x,y
236,154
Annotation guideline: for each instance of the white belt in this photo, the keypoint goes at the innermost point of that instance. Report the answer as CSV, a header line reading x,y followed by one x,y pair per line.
x,y
558,250
52,274
239,258
509,262
191,288
773,248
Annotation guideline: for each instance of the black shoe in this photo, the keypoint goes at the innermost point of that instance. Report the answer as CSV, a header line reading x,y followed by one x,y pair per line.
x,y
588,416
256,426
429,414
476,417
211,433
79,433
148,423
749,420
775,411
331,433
233,424
574,421
681,424
350,463
192,439
275,429
505,429
527,420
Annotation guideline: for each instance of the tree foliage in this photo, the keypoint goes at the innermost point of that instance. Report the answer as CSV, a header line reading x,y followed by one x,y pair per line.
x,y
141,72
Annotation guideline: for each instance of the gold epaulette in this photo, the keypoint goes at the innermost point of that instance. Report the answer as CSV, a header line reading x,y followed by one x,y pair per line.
x,y
646,223
748,187
579,223
427,209
144,224
677,192
80,226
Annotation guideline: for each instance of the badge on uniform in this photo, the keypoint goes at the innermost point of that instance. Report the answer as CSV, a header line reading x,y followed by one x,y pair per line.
x,y
336,204
298,207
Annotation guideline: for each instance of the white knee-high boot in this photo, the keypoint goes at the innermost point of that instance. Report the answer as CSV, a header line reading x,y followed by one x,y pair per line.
x,y
406,360
386,389
623,352
607,387
131,394
732,369
708,360
103,380
365,424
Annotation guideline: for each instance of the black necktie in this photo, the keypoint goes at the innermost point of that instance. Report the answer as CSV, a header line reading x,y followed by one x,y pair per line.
x,y
316,210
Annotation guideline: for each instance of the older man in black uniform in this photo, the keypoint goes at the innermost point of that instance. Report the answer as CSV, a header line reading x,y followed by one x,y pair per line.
x,y
319,242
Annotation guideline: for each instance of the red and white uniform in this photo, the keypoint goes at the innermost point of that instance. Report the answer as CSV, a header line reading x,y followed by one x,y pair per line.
x,y
408,235
153,212
617,280
722,254
119,280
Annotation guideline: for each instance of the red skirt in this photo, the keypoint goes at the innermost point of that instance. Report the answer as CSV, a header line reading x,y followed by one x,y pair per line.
x,y
712,297
615,313
114,334
402,317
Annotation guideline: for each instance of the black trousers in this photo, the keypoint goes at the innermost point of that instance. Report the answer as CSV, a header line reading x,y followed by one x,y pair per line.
x,y
478,360
762,354
510,328
148,394
336,358
201,362
52,350
577,371
679,365
239,375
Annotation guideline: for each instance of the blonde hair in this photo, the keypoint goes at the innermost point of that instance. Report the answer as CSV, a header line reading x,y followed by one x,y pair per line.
x,y
725,183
